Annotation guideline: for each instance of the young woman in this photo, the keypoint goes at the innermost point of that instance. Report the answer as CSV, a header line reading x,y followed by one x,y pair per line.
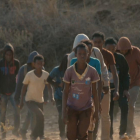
x,y
56,80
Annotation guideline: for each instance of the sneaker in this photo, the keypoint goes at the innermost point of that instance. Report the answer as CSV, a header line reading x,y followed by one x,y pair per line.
x,y
23,134
33,138
111,137
63,138
132,136
15,133
43,138
124,137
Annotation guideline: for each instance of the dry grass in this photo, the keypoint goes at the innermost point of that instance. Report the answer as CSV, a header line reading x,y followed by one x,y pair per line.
x,y
50,26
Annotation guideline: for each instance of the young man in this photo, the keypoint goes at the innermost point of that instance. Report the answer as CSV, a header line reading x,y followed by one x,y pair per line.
x,y
80,83
34,83
56,79
124,78
30,118
8,70
96,64
98,40
132,55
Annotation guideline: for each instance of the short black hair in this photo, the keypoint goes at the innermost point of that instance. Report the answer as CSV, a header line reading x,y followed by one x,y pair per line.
x,y
110,41
81,46
98,34
87,42
38,57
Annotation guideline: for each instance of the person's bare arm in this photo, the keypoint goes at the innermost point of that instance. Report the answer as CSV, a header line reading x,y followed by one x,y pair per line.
x,y
50,93
116,81
100,88
100,91
96,101
23,92
64,102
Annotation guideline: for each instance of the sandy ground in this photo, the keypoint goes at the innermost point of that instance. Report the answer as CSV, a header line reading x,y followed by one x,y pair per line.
x,y
51,126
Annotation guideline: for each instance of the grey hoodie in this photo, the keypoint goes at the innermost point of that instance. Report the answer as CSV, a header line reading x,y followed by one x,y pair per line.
x,y
21,75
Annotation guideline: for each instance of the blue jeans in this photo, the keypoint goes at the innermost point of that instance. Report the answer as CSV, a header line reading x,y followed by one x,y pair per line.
x,y
4,103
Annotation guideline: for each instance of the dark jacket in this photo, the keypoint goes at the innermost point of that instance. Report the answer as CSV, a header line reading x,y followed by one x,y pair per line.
x,y
123,72
8,72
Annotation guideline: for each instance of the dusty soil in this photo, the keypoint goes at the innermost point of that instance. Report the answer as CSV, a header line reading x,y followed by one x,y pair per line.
x,y
51,126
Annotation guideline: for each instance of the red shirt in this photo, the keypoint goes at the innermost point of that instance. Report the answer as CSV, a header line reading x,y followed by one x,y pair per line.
x,y
108,57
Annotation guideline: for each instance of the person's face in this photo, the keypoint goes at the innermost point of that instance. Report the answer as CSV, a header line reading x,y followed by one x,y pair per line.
x,y
111,47
38,64
98,42
82,55
8,56
32,65
89,49
124,52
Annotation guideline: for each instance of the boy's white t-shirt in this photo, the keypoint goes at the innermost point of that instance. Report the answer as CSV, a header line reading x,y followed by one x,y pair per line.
x,y
36,86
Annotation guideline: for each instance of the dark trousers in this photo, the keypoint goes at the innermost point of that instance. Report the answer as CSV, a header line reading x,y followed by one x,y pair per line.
x,y
30,120
60,120
123,104
78,124
37,109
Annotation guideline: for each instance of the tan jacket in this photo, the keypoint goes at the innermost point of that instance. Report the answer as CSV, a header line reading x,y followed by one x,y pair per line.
x,y
95,54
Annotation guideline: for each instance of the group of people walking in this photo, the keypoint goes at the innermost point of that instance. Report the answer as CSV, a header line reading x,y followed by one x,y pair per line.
x,y
89,80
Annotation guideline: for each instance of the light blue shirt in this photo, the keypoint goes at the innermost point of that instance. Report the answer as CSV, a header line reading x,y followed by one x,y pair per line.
x,y
93,62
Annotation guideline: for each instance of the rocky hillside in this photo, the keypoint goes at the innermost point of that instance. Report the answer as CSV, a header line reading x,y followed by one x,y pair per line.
x,y
50,26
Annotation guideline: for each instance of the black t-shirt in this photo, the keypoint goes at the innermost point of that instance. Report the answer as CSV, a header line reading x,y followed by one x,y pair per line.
x,y
123,72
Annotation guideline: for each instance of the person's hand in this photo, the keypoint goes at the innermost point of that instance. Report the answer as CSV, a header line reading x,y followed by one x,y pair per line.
x,y
96,116
116,96
61,85
21,105
126,94
65,118
18,105
106,90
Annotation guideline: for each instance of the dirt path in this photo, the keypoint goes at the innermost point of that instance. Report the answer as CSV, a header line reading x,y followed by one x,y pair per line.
x,y
51,126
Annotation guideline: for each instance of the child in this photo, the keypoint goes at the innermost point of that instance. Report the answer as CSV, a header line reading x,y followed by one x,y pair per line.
x,y
34,84
30,117
8,70
80,83
96,64
56,79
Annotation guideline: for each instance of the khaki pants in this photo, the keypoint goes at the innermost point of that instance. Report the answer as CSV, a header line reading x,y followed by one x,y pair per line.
x,y
134,91
105,118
